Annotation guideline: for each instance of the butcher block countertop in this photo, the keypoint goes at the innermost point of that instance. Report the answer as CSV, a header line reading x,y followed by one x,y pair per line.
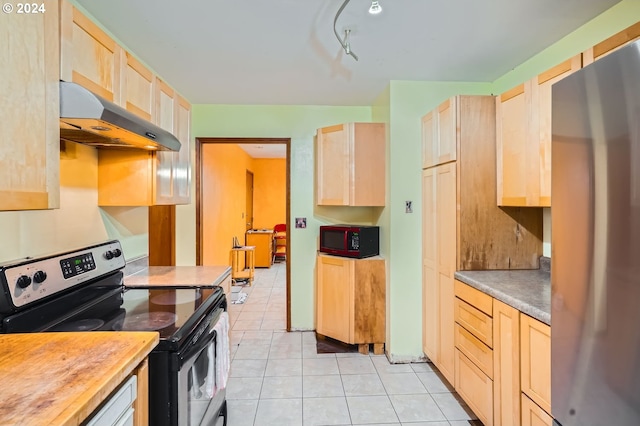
x,y
179,275
61,378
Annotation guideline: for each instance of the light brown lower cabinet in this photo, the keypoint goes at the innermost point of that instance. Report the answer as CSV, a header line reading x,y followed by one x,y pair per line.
x,y
141,403
474,368
506,364
532,415
502,357
351,298
535,361
475,387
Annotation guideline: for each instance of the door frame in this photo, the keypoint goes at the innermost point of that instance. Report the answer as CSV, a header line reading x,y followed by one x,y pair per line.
x,y
200,141
249,211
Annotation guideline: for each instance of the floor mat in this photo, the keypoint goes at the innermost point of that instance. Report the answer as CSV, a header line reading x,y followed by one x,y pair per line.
x,y
327,345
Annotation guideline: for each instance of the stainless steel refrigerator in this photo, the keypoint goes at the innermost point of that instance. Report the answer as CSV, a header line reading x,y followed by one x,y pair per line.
x,y
595,243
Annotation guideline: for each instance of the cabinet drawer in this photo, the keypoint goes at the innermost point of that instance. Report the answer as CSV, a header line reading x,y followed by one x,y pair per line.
x,y
532,415
474,387
118,407
474,297
479,353
475,321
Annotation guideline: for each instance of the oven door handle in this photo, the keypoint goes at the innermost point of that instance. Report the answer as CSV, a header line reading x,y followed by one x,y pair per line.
x,y
202,338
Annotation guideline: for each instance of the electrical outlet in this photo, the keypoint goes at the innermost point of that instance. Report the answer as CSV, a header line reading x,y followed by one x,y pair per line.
x,y
407,207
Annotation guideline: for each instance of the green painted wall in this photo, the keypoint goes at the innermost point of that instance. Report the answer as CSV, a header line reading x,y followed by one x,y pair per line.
x,y
409,101
300,124
619,17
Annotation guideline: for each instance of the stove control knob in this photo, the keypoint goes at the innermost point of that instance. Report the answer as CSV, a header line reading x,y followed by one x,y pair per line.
x,y
117,252
23,281
39,277
108,254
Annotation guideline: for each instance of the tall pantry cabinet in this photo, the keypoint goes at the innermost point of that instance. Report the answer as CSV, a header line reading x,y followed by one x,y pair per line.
x,y
463,228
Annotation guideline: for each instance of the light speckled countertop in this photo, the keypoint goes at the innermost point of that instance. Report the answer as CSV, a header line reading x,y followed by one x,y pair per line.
x,y
529,291
178,275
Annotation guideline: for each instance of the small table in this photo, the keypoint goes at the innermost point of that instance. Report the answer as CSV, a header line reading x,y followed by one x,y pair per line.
x,y
247,254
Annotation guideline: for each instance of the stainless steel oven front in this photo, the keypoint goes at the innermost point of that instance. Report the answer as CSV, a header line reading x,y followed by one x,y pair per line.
x,y
200,393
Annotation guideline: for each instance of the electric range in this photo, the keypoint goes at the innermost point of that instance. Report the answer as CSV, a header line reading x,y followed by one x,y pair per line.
x,y
84,290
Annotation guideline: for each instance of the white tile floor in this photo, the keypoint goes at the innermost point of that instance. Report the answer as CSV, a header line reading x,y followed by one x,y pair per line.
x,y
277,378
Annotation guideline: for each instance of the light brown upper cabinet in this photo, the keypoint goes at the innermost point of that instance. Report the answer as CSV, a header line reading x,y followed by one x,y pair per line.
x,y
523,139
611,44
92,59
182,163
350,165
429,138
88,56
137,88
447,137
30,130
439,134
165,161
159,178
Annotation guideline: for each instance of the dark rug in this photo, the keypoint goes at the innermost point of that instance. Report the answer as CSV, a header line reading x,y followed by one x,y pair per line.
x,y
327,345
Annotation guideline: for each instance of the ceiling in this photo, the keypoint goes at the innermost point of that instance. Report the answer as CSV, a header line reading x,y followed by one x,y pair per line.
x,y
284,52
270,150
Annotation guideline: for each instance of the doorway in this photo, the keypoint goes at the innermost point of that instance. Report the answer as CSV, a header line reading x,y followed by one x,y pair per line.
x,y
204,241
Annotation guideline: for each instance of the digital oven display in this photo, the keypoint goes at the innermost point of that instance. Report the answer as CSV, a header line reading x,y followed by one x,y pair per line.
x,y
77,265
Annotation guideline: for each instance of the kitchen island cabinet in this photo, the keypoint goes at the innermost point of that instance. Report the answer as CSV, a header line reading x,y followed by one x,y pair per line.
x,y
350,165
351,300
62,378
30,131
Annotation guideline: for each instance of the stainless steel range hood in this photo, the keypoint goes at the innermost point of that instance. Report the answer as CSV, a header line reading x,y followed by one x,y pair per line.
x,y
92,120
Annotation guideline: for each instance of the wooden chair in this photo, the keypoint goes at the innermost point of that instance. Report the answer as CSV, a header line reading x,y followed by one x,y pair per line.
x,y
280,242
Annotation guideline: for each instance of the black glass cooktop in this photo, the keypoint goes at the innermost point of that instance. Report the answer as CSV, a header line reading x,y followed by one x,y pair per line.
x,y
166,310
175,312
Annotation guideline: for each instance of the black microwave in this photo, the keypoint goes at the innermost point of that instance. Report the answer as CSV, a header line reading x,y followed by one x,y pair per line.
x,y
356,241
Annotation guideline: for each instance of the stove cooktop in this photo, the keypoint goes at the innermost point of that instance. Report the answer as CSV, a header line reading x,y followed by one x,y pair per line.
x,y
166,310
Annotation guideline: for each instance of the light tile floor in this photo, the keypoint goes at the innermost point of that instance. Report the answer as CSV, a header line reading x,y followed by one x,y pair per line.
x,y
277,378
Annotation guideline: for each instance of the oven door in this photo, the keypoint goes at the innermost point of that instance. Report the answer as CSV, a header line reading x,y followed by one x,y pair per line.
x,y
199,402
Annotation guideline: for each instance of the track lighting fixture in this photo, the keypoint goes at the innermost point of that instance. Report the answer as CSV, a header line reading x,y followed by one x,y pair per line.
x,y
374,10
344,43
